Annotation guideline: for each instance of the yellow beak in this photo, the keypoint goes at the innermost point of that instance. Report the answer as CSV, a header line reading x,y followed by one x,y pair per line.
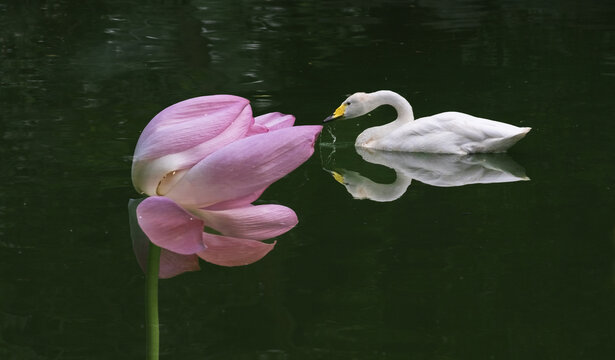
x,y
338,177
339,112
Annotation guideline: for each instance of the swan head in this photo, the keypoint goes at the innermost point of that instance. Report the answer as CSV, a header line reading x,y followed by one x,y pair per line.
x,y
355,105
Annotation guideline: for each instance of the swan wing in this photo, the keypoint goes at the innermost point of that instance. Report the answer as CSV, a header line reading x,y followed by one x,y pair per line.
x,y
467,126
456,133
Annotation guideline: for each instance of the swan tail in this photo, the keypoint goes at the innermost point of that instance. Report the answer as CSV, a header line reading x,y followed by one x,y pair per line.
x,y
497,145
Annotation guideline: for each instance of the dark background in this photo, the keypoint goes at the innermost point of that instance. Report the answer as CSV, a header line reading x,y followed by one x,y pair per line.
x,y
520,270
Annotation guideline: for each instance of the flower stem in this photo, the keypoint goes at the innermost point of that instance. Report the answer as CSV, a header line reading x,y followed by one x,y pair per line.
x,y
152,326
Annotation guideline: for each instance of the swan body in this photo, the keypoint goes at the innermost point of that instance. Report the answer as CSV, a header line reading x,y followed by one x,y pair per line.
x,y
445,133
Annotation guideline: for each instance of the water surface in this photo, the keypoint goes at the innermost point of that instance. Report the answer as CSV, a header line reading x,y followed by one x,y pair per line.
x,y
514,270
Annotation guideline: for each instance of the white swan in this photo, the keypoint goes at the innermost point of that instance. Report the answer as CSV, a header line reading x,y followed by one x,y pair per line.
x,y
446,133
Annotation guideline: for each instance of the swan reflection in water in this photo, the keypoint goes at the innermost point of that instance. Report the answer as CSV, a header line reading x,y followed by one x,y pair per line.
x,y
444,170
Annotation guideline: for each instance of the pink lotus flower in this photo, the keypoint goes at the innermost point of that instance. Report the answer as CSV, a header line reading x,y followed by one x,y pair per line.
x,y
203,161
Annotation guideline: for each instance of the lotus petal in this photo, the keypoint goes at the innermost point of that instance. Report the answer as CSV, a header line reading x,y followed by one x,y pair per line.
x,y
229,251
189,123
169,226
245,166
171,264
257,129
239,202
275,120
185,133
259,222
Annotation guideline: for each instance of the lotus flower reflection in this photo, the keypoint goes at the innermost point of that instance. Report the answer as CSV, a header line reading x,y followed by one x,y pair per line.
x,y
203,162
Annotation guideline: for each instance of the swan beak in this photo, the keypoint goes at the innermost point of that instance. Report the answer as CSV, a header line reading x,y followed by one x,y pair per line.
x,y
339,112
338,177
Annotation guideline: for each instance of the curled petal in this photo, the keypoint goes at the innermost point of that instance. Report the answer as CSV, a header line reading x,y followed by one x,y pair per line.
x,y
185,133
275,120
245,166
229,251
189,123
239,202
171,264
259,222
169,226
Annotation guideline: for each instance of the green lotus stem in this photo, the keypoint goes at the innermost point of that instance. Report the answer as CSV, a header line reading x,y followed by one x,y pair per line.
x,y
152,326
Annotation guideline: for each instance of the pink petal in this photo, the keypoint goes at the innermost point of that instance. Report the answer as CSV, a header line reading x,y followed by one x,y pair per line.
x,y
189,123
275,120
251,222
171,264
239,202
228,251
257,129
185,133
169,226
245,166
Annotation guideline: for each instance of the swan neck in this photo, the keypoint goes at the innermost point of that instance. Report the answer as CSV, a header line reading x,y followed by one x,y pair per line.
x,y
401,105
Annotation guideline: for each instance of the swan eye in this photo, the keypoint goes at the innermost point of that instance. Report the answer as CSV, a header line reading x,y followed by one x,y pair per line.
x,y
347,103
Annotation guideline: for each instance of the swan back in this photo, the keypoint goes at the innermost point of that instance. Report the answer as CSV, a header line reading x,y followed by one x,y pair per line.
x,y
445,133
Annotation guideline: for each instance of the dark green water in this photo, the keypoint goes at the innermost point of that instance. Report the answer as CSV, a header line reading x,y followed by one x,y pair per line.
x,y
517,270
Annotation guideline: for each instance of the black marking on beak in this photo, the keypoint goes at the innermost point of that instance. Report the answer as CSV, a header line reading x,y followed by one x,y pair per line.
x,y
330,118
